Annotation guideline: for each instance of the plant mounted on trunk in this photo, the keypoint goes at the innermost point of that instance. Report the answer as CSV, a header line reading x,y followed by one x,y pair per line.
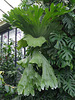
x,y
48,50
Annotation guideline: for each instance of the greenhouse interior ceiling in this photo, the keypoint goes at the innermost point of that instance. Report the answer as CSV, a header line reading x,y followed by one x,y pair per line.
x,y
5,6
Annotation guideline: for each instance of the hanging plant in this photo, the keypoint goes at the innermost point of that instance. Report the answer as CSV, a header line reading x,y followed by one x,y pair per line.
x,y
43,36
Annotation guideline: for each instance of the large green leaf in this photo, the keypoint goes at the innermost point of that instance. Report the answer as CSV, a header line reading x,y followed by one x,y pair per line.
x,y
24,62
21,43
29,40
58,38
7,88
68,22
69,86
34,42
55,11
37,59
67,81
48,77
29,20
65,54
71,43
29,81
65,58
0,83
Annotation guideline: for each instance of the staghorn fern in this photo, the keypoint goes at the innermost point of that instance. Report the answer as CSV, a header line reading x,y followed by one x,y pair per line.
x,y
37,24
29,20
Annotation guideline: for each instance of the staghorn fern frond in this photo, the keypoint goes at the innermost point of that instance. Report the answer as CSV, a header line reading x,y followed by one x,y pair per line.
x,y
31,79
29,21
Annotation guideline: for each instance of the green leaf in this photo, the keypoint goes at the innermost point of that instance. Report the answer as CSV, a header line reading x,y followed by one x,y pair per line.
x,y
1,76
34,42
11,90
17,98
29,20
71,43
24,62
7,88
21,43
70,87
58,38
72,1
0,83
37,59
29,80
55,11
65,53
63,96
67,81
62,63
67,21
48,77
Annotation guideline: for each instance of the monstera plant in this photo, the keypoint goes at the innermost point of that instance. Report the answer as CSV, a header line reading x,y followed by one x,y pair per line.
x,y
46,46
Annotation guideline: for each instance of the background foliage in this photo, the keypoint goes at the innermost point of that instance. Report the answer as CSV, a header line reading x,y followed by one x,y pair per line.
x,y
8,71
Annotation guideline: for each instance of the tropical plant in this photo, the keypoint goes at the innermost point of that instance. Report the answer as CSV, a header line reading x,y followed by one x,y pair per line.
x,y
49,64
8,71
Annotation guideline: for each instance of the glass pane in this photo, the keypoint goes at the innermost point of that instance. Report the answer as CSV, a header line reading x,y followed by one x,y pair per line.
x,y
12,40
5,37
12,34
19,37
19,34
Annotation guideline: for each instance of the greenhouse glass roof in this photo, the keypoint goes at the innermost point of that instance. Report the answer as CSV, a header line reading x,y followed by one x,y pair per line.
x,y
7,5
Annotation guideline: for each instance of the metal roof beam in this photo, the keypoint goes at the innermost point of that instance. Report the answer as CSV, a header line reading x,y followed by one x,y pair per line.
x,y
2,11
9,4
